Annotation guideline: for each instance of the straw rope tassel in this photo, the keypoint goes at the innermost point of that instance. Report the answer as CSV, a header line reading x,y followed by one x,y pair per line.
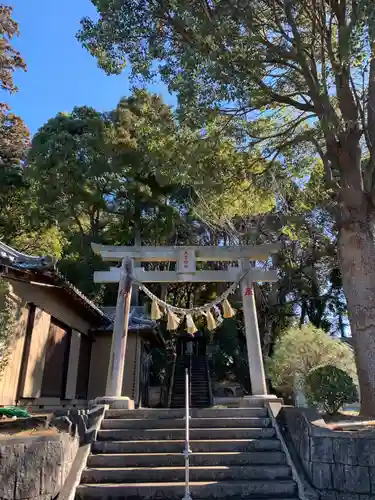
x,y
173,321
211,323
191,328
155,311
228,311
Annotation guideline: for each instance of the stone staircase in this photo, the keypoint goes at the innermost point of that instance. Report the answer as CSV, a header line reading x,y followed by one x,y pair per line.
x,y
138,455
200,393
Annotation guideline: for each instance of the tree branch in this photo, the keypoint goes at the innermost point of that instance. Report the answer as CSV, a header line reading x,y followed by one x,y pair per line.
x,y
285,99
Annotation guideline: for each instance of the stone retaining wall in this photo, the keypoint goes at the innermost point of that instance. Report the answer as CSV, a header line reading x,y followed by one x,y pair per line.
x,y
35,468
340,465
38,467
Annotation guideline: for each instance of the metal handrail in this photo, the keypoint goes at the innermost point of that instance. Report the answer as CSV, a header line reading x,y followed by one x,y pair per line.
x,y
171,383
187,450
210,394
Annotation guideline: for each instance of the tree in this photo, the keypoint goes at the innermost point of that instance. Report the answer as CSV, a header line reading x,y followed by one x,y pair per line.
x,y
47,241
299,351
14,136
10,58
73,168
131,174
306,66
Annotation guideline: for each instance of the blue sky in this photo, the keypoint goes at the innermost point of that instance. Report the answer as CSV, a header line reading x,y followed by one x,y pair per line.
x,y
61,74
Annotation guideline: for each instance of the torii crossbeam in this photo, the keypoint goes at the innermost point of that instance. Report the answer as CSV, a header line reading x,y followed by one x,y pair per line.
x,y
186,271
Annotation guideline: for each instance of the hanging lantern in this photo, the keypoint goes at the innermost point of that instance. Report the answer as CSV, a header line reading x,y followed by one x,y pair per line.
x,y
173,321
155,311
228,311
191,328
211,323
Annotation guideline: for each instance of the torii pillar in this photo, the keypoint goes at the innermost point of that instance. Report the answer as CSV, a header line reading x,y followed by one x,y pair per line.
x,y
113,396
253,344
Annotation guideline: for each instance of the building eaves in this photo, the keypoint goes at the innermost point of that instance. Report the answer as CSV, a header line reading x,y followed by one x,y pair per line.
x,y
45,267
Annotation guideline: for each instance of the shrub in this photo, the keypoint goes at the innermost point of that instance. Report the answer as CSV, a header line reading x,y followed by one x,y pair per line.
x,y
300,350
329,388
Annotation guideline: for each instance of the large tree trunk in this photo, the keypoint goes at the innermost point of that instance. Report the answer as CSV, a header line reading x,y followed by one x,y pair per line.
x,y
357,261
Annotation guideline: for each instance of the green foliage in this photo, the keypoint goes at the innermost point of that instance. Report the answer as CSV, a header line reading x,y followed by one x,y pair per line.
x,y
14,136
72,167
49,241
301,350
229,359
132,173
14,139
7,322
330,388
10,57
243,73
270,57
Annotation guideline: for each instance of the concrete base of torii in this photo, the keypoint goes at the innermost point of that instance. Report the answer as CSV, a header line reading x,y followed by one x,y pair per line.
x,y
259,401
114,402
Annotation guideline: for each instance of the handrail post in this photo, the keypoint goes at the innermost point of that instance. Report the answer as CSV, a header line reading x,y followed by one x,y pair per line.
x,y
187,450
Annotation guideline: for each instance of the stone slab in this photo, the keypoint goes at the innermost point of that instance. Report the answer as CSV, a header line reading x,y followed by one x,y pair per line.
x,y
35,467
114,402
345,451
322,450
322,476
258,401
351,479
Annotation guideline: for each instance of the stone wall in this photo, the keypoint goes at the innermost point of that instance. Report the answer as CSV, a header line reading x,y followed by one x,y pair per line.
x,y
340,465
39,467
35,468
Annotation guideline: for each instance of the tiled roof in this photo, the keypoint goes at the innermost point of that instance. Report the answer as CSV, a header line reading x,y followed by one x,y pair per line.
x,y
10,256
44,266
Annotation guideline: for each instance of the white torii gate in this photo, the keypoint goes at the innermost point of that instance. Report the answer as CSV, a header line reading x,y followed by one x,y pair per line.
x,y
186,271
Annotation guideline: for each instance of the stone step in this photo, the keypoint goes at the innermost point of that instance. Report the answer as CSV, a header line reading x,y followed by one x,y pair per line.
x,y
202,405
197,377
196,392
196,385
261,490
204,446
201,398
165,434
201,394
196,413
177,459
197,369
177,474
194,404
198,389
201,423
194,395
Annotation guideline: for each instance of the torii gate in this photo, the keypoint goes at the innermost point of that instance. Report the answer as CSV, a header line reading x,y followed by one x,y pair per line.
x,y
186,271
